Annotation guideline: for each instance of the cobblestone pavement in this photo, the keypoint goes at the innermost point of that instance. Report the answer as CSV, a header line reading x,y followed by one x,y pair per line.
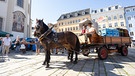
x,y
31,65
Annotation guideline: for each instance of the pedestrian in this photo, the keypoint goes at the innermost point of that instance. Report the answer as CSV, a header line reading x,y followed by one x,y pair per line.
x,y
37,47
6,44
23,47
0,44
17,44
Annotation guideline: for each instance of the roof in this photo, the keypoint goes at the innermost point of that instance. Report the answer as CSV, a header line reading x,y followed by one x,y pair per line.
x,y
74,14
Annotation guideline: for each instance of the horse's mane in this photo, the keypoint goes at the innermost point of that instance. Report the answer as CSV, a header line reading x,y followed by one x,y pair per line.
x,y
45,27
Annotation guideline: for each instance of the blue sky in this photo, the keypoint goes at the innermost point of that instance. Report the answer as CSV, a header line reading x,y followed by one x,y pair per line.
x,y
50,10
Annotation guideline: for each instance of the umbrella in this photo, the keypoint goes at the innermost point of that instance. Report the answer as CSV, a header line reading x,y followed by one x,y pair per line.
x,y
84,23
3,34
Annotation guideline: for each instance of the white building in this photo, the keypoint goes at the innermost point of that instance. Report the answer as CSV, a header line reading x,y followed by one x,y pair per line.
x,y
15,17
112,16
130,20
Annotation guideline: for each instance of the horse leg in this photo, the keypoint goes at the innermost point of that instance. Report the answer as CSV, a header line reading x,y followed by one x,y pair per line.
x,y
76,57
71,59
69,55
48,58
45,58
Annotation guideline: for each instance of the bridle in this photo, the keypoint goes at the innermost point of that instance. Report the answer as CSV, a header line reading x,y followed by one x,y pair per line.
x,y
45,34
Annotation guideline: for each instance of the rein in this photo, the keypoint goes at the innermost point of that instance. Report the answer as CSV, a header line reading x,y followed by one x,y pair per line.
x,y
45,34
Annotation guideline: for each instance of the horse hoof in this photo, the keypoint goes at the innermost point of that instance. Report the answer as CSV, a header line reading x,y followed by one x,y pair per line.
x,y
47,66
75,62
43,64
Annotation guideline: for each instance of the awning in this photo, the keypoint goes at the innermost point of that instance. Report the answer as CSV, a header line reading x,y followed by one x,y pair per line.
x,y
3,34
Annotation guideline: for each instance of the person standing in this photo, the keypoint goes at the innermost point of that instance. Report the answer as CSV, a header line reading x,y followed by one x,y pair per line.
x,y
0,44
6,44
17,43
37,47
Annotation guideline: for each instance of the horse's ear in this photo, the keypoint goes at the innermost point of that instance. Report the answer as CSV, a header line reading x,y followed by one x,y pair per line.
x,y
42,19
36,20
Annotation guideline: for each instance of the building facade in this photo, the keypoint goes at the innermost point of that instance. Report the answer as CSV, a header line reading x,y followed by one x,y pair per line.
x,y
15,17
70,21
130,20
110,17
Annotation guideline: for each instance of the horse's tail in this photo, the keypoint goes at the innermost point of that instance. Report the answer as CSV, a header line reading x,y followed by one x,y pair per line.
x,y
77,48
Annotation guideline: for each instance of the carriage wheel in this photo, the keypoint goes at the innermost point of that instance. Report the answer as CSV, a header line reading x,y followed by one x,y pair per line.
x,y
103,53
124,51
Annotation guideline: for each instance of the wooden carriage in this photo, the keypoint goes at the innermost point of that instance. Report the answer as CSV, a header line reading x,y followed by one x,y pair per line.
x,y
105,45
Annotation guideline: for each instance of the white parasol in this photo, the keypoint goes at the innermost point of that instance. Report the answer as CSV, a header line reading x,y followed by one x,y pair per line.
x,y
84,23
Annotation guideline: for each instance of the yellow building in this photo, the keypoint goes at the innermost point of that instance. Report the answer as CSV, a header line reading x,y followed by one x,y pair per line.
x,y
70,21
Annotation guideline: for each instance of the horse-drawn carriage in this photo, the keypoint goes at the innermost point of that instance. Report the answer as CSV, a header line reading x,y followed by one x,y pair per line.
x,y
70,41
105,44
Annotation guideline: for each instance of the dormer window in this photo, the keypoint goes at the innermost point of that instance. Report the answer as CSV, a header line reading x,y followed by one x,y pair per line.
x,y
76,14
109,8
83,13
68,16
116,7
95,11
62,17
101,10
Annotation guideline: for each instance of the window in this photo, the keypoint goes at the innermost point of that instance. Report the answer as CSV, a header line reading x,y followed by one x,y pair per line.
x,y
2,0
65,29
73,28
79,20
76,14
95,11
62,17
133,9
116,7
129,18
77,28
109,8
116,24
101,10
110,25
131,33
115,17
130,25
122,23
1,22
83,13
127,10
20,3
121,16
109,18
104,26
68,16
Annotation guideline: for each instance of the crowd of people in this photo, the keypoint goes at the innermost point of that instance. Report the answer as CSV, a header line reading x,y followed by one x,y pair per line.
x,y
19,44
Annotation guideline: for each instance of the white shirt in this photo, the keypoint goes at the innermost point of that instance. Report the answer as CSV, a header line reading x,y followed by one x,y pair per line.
x,y
6,41
91,30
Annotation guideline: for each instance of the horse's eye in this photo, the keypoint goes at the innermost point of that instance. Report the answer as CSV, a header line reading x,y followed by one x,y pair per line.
x,y
37,27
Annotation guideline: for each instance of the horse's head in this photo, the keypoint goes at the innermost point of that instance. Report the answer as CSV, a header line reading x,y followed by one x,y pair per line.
x,y
40,28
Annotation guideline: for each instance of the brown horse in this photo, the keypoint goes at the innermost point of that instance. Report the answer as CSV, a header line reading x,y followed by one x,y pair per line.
x,y
52,40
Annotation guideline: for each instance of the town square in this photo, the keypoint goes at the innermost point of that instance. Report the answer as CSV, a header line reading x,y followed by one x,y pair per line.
x,y
67,38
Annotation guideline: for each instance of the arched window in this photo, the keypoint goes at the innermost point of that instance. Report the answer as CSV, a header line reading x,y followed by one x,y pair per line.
x,y
109,18
18,21
121,16
115,17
